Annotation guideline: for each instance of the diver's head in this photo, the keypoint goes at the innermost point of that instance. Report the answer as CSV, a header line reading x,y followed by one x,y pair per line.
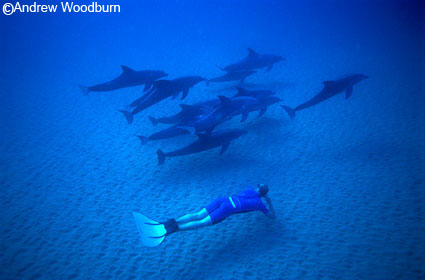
x,y
262,189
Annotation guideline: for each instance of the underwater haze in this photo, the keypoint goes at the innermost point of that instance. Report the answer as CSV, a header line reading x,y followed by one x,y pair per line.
x,y
346,176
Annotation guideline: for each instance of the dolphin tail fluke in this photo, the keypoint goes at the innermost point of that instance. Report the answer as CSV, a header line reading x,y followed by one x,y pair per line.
x,y
128,116
153,120
84,89
143,139
289,110
161,156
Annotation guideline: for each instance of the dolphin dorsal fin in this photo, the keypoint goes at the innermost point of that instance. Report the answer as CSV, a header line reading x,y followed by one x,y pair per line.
x,y
190,108
328,83
241,91
126,69
252,53
225,101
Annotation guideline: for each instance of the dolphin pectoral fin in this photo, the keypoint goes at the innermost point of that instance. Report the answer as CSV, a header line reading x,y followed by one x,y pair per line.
x,y
175,95
224,147
185,93
269,68
244,116
161,156
348,92
147,87
262,111
153,120
225,101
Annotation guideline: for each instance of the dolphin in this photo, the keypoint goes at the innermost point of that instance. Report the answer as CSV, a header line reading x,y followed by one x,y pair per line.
x,y
161,90
261,105
253,93
232,76
188,112
128,78
170,132
206,141
254,61
330,89
228,108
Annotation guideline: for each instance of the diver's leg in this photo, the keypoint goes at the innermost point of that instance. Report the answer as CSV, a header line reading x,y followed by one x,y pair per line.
x,y
202,213
214,214
193,216
196,224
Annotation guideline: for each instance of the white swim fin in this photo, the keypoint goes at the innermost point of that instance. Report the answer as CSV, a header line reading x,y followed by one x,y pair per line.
x,y
151,232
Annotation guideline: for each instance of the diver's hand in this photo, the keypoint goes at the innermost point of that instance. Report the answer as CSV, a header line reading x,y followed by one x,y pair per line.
x,y
271,214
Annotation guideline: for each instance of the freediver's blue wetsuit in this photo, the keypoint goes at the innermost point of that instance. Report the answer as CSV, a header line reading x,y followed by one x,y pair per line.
x,y
246,201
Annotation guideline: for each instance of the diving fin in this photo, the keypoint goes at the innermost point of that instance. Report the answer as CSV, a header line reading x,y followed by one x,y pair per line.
x,y
151,232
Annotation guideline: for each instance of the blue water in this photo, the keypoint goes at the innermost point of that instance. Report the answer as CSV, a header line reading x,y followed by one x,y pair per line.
x,y
347,177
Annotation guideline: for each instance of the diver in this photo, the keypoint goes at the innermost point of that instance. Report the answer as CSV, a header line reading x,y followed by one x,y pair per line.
x,y
153,233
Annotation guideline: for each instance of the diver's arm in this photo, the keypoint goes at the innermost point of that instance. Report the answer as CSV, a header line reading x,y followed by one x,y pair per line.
x,y
271,214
